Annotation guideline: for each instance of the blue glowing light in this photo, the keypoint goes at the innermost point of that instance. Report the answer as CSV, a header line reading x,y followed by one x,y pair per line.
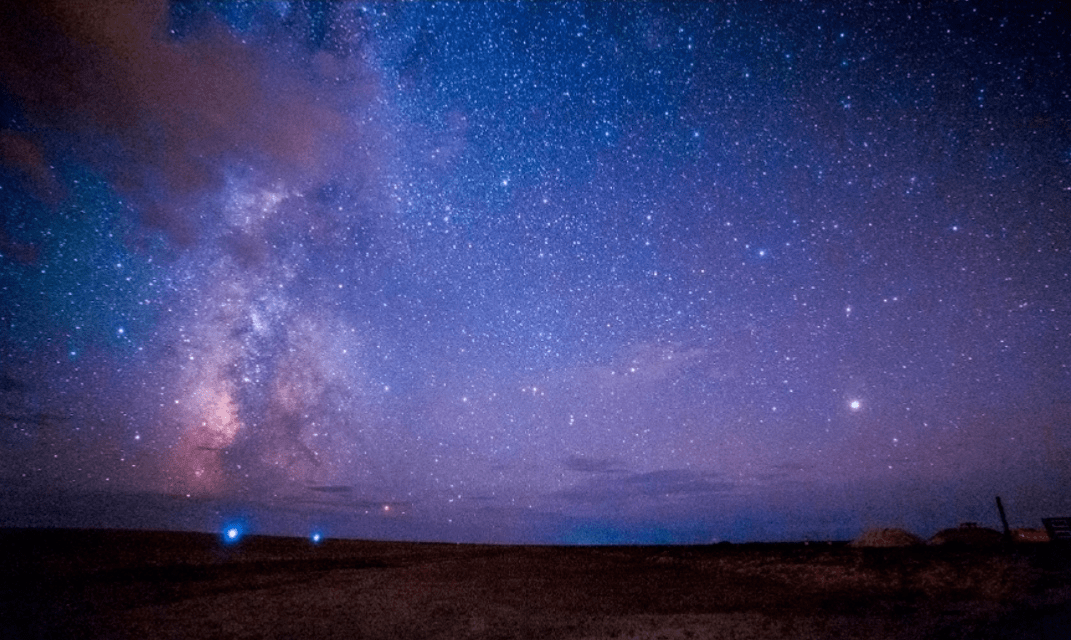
x,y
232,533
316,537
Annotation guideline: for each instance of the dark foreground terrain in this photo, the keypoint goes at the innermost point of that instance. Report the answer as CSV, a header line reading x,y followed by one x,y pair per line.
x,y
130,584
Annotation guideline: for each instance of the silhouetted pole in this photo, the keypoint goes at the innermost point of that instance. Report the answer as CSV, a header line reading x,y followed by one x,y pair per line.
x,y
1004,521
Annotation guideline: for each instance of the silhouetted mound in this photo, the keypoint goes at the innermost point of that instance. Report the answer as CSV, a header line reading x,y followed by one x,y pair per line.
x,y
967,534
891,537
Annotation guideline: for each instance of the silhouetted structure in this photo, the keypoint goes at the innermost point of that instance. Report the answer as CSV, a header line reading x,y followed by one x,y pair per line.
x,y
1059,529
968,534
889,537
1004,521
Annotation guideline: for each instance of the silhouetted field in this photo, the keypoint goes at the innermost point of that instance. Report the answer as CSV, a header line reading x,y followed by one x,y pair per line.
x,y
135,584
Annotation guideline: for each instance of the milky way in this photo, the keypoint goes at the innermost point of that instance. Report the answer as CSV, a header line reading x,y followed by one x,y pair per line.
x,y
534,272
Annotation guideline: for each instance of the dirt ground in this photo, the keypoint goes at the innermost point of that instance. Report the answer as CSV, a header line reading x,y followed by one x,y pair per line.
x,y
126,584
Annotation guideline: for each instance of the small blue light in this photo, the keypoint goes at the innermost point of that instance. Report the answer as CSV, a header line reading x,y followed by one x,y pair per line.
x,y
316,537
232,533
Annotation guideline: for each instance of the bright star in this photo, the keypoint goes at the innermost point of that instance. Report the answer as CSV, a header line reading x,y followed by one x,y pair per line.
x,y
855,405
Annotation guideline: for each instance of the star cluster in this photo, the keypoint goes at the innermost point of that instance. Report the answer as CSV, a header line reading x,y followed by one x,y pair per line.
x,y
557,272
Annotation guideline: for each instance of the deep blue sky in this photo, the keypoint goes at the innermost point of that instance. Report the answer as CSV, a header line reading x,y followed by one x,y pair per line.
x,y
605,272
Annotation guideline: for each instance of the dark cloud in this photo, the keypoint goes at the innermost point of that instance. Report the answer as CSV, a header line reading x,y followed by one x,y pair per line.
x,y
593,465
20,152
169,121
331,489
38,419
662,485
675,482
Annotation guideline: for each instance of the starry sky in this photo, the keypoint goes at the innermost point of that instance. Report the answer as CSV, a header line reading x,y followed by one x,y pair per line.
x,y
535,272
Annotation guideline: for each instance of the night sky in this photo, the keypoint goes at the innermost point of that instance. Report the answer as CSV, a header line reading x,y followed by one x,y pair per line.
x,y
519,272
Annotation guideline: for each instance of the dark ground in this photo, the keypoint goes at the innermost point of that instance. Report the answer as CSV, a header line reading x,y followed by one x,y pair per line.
x,y
136,584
